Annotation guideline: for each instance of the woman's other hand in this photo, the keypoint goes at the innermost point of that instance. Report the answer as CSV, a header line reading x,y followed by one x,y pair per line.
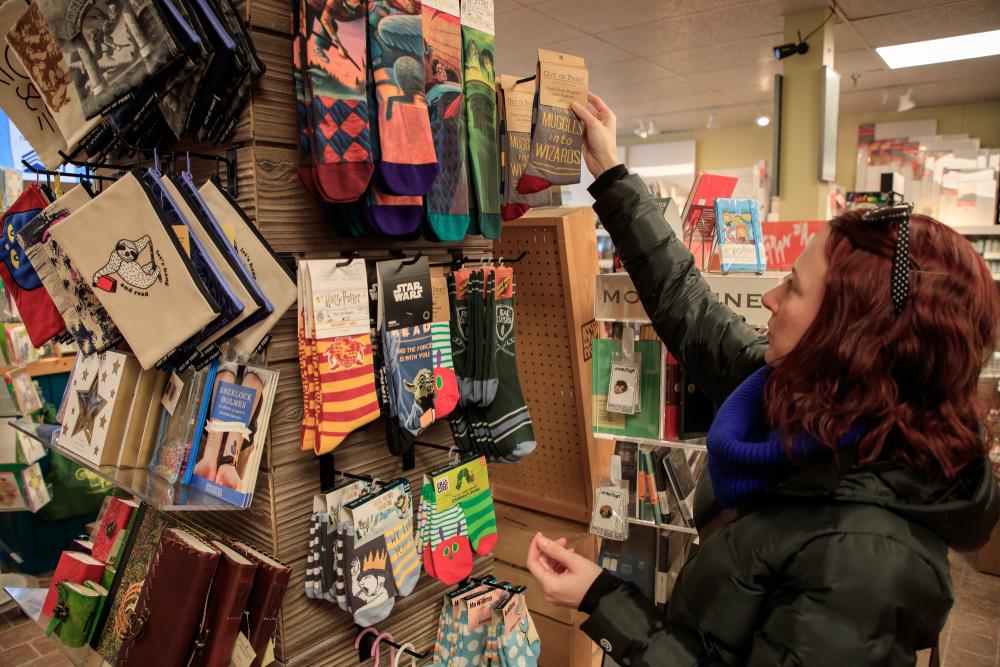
x,y
565,576
600,149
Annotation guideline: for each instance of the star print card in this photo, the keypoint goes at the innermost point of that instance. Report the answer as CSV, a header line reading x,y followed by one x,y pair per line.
x,y
98,405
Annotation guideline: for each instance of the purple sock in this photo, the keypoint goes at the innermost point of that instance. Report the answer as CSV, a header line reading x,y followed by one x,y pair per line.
x,y
406,179
393,215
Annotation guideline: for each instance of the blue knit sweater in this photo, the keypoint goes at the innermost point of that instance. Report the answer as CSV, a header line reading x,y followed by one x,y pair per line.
x,y
744,457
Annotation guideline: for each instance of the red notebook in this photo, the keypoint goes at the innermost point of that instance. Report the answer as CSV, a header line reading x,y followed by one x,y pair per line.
x,y
76,568
111,532
699,209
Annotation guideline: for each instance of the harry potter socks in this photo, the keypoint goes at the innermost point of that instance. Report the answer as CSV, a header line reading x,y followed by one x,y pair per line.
x,y
408,162
481,121
347,383
334,82
448,199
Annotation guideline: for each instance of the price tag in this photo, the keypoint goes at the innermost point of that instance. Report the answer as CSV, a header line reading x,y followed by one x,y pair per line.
x,y
172,393
243,653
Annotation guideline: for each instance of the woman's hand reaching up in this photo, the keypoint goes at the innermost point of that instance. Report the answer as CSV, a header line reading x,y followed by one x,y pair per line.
x,y
600,150
565,576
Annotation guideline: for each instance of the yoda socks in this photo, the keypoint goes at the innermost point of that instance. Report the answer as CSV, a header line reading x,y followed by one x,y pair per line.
x,y
481,118
447,201
445,382
334,82
411,377
408,162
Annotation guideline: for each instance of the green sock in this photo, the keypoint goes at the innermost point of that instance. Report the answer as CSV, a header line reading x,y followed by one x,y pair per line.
x,y
481,521
481,121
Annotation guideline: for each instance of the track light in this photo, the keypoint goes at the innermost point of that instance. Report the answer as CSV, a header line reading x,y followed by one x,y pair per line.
x,y
763,120
906,101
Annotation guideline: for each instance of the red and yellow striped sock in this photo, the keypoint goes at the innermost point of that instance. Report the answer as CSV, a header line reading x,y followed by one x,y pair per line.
x,y
310,417
347,380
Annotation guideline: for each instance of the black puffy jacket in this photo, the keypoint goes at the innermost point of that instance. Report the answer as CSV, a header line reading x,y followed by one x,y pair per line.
x,y
837,565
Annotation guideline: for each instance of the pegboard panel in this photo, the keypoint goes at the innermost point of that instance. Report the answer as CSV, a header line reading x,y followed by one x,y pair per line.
x,y
549,317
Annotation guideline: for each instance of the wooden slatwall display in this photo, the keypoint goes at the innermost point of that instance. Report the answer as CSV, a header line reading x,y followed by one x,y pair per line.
x,y
310,632
553,315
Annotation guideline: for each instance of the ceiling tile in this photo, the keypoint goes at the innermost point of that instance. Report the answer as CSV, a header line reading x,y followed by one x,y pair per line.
x,y
793,6
987,68
591,49
930,23
865,101
632,71
845,38
648,90
673,104
758,76
859,9
689,32
739,52
526,30
956,91
520,64
504,6
857,60
869,81
595,16
751,93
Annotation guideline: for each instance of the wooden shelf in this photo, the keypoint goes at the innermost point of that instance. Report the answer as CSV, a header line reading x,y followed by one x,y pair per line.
x,y
47,366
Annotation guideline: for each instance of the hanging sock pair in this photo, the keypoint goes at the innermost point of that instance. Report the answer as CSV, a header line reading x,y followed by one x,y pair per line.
x,y
514,104
447,202
335,353
322,581
456,520
330,75
379,559
481,118
493,419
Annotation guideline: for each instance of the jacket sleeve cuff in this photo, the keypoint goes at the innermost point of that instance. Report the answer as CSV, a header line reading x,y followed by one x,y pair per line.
x,y
604,584
605,180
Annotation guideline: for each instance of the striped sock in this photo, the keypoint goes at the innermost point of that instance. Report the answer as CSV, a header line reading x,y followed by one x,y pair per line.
x,y
312,558
309,417
445,382
425,509
451,552
481,521
403,555
347,378
340,587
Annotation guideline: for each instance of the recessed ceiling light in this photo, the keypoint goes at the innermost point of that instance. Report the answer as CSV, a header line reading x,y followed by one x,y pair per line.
x,y
763,121
948,49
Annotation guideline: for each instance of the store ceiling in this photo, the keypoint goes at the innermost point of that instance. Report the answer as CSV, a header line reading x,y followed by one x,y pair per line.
x,y
673,62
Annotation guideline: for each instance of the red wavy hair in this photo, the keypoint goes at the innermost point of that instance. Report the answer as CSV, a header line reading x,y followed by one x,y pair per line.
x,y
910,378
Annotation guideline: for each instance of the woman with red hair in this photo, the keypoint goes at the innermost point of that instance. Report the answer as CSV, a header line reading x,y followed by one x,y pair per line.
x,y
846,455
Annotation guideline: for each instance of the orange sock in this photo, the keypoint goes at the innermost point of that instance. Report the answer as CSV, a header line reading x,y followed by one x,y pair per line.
x,y
347,382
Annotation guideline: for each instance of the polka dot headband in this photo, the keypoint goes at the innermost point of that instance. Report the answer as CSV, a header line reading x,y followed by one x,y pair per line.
x,y
900,277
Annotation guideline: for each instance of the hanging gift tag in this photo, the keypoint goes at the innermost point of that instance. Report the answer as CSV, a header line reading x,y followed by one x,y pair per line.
x,y
623,389
172,393
610,517
243,653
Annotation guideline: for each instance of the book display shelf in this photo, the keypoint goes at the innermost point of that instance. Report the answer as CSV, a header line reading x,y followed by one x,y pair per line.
x,y
139,482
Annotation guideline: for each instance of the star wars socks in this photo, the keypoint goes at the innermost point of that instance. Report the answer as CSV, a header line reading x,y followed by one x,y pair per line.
x,y
408,162
556,134
334,79
445,381
447,201
481,117
411,376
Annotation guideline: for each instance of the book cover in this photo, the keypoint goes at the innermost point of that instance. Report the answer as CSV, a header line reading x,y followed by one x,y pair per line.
x,y
182,399
698,217
74,567
22,387
227,599
114,522
679,474
741,242
208,403
232,442
36,493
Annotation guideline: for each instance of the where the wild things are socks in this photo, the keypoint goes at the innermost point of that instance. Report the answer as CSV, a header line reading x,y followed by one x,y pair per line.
x,y
447,201
403,554
556,133
481,116
408,163
515,105
371,589
334,78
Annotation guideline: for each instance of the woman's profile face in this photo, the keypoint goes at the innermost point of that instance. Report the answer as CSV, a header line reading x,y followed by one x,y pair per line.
x,y
795,303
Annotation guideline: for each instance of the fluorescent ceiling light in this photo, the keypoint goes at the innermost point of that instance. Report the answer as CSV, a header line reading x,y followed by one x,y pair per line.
x,y
963,47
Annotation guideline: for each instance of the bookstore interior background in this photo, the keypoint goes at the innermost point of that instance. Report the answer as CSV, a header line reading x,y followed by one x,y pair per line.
x,y
309,326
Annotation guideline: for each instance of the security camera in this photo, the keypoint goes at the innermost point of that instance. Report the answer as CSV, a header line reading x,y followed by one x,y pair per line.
x,y
790,49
